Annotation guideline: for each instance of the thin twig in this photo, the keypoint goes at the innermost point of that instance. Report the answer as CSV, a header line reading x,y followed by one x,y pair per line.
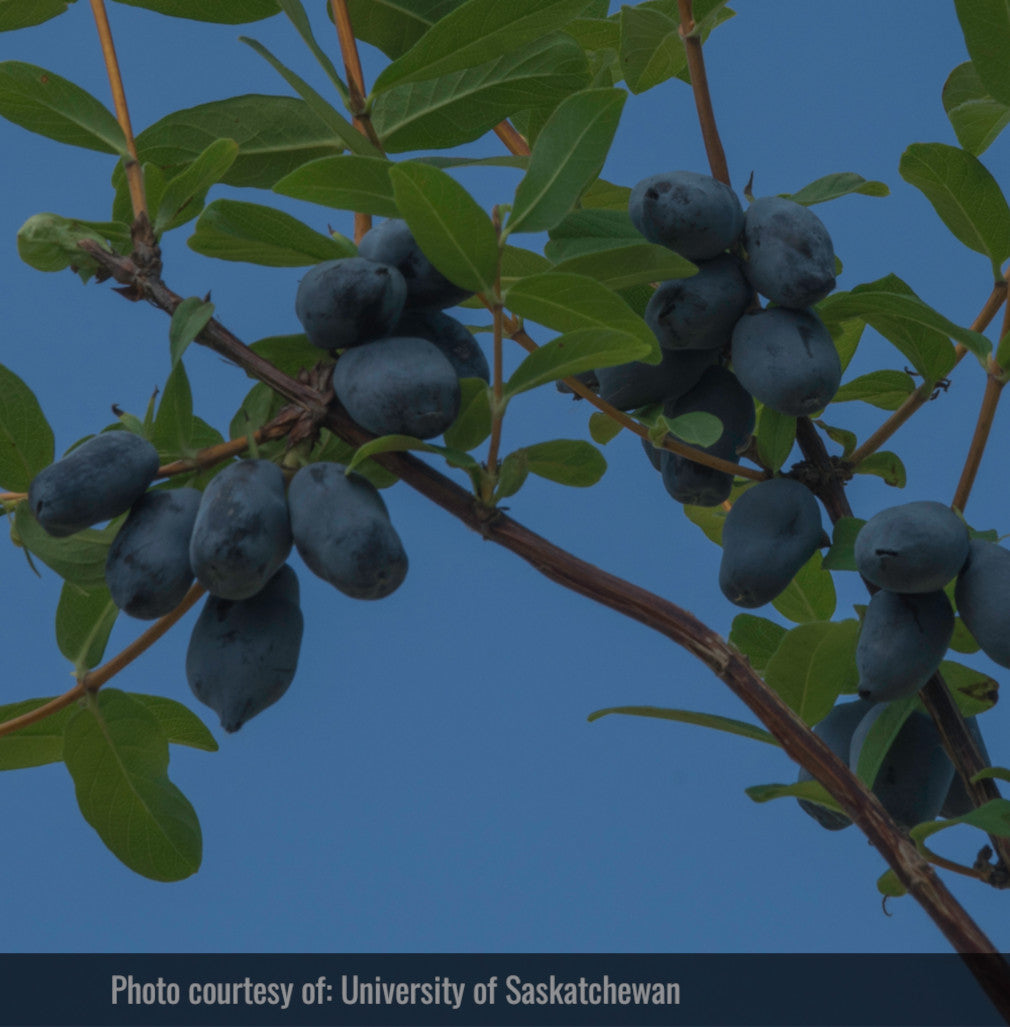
x,y
134,175
983,426
513,141
94,679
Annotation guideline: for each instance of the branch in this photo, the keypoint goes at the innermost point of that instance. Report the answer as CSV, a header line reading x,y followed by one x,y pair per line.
x,y
987,412
655,612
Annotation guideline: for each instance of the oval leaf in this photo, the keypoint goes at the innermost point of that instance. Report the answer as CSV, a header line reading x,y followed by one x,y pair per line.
x,y
350,182
84,620
986,28
976,117
566,461
26,440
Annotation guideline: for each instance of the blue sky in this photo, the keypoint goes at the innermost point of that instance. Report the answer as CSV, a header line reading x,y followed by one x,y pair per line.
x,y
430,781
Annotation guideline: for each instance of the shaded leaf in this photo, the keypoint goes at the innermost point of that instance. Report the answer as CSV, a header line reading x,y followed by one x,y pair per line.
x,y
297,16
880,737
710,720
830,187
394,26
235,230
884,389
190,318
756,637
624,266
26,440
79,558
592,231
845,438
964,194
842,556
512,473
117,755
448,224
810,596
567,156
884,465
473,425
84,621
696,429
404,443
976,117
776,434
603,428
35,744
180,724
226,12
811,791
20,14
973,690
566,461
183,196
49,105
814,664
986,28
349,182
290,353
472,33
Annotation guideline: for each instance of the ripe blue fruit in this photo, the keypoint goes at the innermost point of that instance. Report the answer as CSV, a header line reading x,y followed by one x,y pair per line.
x,y
958,801
398,386
901,643
343,532
699,312
790,257
393,243
787,360
148,570
914,547
242,533
243,654
450,336
718,393
835,731
636,384
692,214
982,595
915,777
348,301
99,480
769,534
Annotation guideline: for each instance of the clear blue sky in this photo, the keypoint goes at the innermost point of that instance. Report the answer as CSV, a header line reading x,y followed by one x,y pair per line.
x,y
430,781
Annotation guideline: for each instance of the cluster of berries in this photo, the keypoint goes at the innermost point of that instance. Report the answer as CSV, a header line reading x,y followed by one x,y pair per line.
x,y
234,537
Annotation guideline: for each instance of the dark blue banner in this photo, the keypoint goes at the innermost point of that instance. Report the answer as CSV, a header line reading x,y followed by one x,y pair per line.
x,y
476,990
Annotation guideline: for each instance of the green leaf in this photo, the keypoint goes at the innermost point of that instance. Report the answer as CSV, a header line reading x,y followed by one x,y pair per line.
x,y
51,106
986,28
172,432
224,12
180,724
297,16
710,720
776,435
1000,773
35,744
884,389
921,333
403,443
20,14
511,475
976,117
275,135
84,621
26,440
756,637
568,302
566,461
696,429
260,405
49,242
992,817
842,554
117,755
846,336
461,106
884,465
452,230
473,425
623,267
184,195
235,230
580,350
394,26
813,665
593,231
603,428
333,448
811,791
964,194
845,438
188,321
830,187
810,596
290,353
651,48
567,156
341,128
606,196
474,32
881,735
889,886
79,558
349,182
973,690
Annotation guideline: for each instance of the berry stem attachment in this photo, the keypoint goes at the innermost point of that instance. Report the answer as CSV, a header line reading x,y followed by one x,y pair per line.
x,y
134,174
702,95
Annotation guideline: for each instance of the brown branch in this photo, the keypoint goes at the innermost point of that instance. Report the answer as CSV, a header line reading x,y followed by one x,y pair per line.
x,y
134,175
94,679
657,613
983,426
513,141
702,95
